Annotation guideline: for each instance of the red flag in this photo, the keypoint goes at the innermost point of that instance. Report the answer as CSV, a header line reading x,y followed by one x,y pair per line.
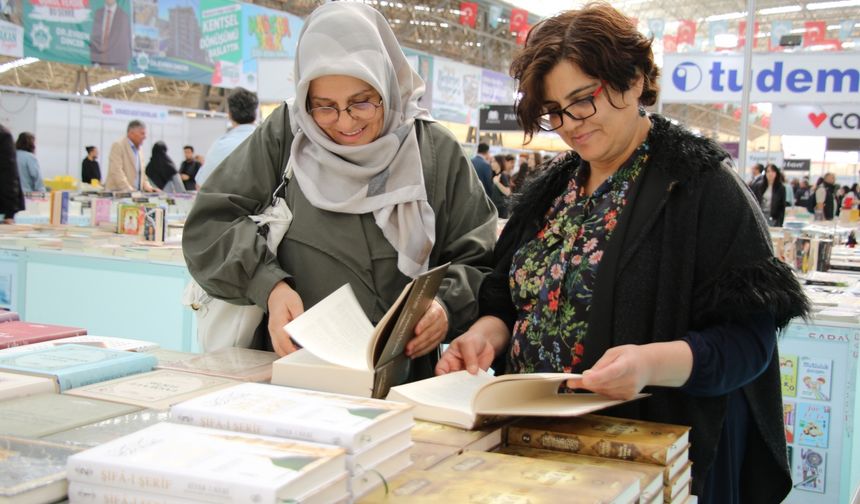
x,y
670,44
522,34
742,33
519,20
468,13
686,32
816,34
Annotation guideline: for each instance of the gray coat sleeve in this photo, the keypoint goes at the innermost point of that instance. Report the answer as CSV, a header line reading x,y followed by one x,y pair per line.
x,y
466,226
222,247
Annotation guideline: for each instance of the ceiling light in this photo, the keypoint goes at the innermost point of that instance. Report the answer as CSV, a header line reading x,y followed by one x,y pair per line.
x,y
101,86
5,67
726,40
730,15
833,5
780,10
145,89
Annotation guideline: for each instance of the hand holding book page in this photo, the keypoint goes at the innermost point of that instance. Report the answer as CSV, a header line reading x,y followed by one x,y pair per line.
x,y
465,400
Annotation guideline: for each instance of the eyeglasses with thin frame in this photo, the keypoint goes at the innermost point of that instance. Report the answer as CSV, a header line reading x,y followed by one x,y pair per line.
x,y
578,110
361,111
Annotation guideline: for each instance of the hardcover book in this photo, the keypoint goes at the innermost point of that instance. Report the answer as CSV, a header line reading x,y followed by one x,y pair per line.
x,y
788,374
59,207
32,471
366,480
813,424
602,436
166,358
8,316
195,463
650,476
426,455
44,414
19,385
17,333
337,331
462,439
154,228
354,423
468,401
158,389
814,378
236,363
600,483
124,344
102,431
77,365
129,219
677,484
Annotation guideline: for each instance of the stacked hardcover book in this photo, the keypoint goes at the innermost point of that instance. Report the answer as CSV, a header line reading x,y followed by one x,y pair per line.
x,y
434,442
374,433
663,446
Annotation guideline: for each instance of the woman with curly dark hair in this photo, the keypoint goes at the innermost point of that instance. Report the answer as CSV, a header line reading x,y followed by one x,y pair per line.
x,y
640,260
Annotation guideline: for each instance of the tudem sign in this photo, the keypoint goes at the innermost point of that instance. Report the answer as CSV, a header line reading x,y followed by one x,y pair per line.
x,y
819,78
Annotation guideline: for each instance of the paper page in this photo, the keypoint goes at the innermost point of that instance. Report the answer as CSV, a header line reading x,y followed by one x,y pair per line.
x,y
449,391
335,330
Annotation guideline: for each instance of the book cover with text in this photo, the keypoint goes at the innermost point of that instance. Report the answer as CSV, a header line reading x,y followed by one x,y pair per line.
x,y
788,375
810,471
814,378
813,424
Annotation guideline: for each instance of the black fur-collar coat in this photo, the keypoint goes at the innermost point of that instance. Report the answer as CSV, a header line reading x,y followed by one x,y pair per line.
x,y
690,250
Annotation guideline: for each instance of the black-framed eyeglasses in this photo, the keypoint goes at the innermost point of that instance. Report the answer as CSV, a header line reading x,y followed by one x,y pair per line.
x,y
361,111
578,110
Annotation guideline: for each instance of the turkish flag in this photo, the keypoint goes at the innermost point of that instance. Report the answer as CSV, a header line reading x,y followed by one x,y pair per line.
x,y
686,32
816,34
522,33
468,13
519,20
670,44
742,33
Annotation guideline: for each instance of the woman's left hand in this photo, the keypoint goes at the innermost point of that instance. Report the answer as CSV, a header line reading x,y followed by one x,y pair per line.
x,y
429,332
620,374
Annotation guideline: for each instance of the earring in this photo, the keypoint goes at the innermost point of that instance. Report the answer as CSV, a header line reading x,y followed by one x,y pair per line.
x,y
641,111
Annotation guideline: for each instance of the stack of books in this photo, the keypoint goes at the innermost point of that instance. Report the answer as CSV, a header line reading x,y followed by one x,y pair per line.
x,y
434,442
374,433
172,463
32,471
662,445
16,333
111,342
242,364
495,477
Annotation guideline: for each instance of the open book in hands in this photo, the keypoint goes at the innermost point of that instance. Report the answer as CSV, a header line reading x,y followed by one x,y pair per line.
x,y
343,352
468,401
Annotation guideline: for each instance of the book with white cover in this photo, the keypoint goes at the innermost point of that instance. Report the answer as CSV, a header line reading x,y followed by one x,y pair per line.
x,y
96,433
44,414
354,423
373,477
243,364
114,343
468,401
19,385
337,331
159,389
32,471
210,465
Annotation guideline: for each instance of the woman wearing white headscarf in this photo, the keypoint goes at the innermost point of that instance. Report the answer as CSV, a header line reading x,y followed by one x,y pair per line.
x,y
379,193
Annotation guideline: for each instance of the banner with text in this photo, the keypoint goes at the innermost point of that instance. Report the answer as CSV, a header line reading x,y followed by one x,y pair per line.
x,y
497,88
127,111
266,33
12,28
776,78
834,121
60,30
456,91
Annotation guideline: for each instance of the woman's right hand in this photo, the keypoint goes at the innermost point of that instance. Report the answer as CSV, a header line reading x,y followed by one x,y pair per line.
x,y
284,305
476,348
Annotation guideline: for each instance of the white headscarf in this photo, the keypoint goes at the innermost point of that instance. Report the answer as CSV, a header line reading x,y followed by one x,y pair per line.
x,y
385,176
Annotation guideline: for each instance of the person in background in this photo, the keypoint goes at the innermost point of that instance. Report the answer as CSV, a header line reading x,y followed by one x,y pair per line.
x,y
771,196
481,162
379,193
11,195
161,170
125,163
28,165
90,166
804,193
501,185
757,176
242,109
826,206
640,260
189,168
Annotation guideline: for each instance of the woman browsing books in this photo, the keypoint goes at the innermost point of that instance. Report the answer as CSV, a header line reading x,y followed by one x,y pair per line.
x,y
640,260
379,193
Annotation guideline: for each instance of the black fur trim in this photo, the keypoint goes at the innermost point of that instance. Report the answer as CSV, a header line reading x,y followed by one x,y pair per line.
x,y
765,286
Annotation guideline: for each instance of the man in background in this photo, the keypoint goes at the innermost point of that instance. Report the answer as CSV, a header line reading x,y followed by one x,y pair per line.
x,y
481,162
90,169
110,39
125,163
242,109
189,168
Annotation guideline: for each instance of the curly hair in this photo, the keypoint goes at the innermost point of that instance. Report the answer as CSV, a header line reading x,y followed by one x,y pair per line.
x,y
599,39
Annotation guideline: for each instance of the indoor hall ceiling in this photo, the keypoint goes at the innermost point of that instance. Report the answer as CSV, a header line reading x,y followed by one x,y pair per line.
x,y
432,27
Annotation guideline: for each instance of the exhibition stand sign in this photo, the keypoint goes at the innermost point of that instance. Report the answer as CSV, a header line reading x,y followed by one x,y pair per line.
x,y
832,121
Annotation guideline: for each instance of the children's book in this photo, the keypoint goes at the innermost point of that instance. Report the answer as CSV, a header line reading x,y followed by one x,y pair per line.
x,y
810,470
789,412
813,424
788,374
814,378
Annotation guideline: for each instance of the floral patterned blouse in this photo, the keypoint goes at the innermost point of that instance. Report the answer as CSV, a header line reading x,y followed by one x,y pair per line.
x,y
552,276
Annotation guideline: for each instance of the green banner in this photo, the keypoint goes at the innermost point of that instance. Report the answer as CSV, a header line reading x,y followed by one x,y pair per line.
x,y
220,22
60,30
